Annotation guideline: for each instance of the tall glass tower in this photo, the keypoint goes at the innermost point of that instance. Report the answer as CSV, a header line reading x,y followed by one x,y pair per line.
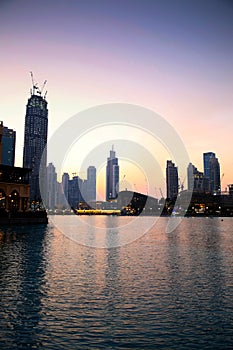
x,y
112,176
206,161
212,172
35,140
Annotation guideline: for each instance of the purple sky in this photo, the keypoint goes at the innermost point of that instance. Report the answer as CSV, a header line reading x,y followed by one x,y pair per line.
x,y
174,57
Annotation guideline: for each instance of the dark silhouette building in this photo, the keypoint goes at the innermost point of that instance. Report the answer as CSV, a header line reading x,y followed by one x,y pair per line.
x,y
35,140
206,161
8,146
14,184
112,176
212,172
197,182
171,180
75,197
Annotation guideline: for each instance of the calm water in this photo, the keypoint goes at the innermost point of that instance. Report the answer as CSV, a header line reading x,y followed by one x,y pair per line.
x,y
163,291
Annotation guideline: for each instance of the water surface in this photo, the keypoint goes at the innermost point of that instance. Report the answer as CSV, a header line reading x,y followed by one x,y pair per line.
x,y
162,291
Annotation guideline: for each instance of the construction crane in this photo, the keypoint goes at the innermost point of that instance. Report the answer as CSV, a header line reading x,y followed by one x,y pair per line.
x,y
34,85
36,89
181,185
161,193
42,87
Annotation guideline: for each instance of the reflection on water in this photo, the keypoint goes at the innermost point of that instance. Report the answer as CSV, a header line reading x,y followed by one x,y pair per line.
x,y
162,291
103,231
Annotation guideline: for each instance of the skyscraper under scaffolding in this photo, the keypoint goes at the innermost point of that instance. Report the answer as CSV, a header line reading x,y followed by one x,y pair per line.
x,y
35,138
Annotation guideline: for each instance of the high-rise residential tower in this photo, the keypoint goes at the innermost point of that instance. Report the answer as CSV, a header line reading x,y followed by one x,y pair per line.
x,y
212,171
8,146
171,180
112,176
35,140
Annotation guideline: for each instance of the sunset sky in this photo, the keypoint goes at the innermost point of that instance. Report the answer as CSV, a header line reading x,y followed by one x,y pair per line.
x,y
174,57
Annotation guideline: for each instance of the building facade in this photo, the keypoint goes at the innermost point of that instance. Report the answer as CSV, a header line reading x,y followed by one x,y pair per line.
x,y
8,146
35,141
171,180
112,176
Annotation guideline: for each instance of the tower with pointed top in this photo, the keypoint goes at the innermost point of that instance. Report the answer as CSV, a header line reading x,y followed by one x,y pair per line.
x,y
35,139
112,176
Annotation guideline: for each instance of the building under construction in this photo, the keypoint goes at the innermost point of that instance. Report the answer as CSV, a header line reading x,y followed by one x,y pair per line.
x,y
35,139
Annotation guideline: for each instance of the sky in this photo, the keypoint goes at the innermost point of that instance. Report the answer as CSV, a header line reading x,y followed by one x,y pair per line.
x,y
174,57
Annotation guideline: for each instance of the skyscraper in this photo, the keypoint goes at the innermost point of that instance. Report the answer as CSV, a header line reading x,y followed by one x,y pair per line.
x,y
51,187
8,146
215,185
35,140
196,179
212,171
171,180
206,161
91,183
75,190
65,183
112,176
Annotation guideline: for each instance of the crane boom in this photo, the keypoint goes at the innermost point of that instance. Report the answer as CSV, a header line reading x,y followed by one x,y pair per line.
x,y
161,193
35,88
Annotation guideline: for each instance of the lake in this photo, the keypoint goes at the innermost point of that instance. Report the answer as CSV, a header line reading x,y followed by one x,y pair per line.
x,y
96,290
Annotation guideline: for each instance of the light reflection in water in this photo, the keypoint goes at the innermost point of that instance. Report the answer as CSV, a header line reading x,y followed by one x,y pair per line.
x,y
164,290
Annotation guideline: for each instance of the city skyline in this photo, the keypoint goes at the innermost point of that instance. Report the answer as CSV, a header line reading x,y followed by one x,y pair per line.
x,y
172,57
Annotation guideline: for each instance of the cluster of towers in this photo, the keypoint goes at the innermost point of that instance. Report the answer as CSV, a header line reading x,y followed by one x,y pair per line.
x,y
70,191
76,190
208,181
